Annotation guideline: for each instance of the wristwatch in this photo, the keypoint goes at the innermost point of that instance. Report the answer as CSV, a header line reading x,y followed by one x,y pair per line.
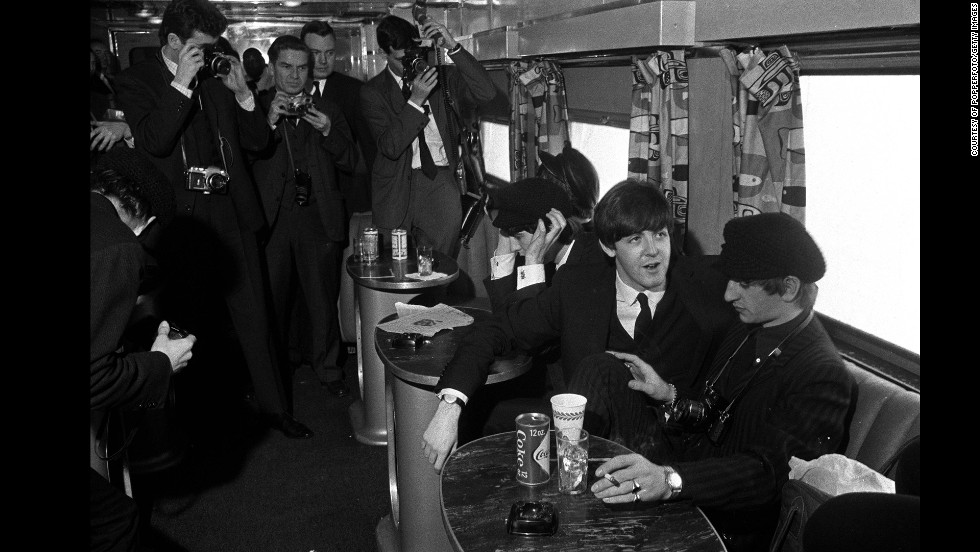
x,y
673,481
452,399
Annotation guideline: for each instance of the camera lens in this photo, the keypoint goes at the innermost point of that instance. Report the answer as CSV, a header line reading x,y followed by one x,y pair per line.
x,y
220,65
419,65
217,181
688,411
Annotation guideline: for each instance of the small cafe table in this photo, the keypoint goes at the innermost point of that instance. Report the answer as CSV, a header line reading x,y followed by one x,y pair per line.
x,y
478,488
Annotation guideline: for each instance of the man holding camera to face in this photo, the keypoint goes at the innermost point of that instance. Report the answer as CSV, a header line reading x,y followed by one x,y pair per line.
x,y
776,388
304,206
191,112
413,180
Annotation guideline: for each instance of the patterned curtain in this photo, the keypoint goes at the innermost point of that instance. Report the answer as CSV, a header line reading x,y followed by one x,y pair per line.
x,y
658,152
769,172
541,84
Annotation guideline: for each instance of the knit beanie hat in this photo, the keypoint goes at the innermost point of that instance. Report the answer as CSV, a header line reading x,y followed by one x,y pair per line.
x,y
153,183
527,200
769,245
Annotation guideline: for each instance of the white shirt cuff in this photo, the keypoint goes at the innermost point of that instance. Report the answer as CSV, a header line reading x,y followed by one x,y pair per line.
x,y
454,393
416,106
182,89
249,103
529,275
502,265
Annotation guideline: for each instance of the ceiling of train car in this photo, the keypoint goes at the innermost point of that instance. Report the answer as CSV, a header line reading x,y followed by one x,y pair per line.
x,y
139,12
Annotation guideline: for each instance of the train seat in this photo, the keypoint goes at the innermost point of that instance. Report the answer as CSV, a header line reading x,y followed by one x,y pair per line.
x,y
885,418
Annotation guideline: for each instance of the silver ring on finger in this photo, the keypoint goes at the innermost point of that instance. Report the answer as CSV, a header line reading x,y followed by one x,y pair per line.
x,y
636,496
636,488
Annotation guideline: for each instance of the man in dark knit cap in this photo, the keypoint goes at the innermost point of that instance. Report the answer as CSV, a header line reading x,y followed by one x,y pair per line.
x,y
776,388
128,196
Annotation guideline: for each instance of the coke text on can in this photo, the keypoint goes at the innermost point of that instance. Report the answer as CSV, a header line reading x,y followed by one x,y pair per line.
x,y
533,449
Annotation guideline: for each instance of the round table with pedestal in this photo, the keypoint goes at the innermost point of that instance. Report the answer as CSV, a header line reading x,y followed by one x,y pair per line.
x,y
378,286
415,523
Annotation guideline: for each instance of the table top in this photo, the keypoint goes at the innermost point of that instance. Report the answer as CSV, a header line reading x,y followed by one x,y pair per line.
x,y
425,364
478,487
389,274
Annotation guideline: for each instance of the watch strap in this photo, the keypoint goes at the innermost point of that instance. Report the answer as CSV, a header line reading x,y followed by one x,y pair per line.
x,y
673,481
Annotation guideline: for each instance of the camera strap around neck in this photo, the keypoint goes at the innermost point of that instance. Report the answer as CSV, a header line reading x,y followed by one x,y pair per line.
x,y
199,91
289,149
757,364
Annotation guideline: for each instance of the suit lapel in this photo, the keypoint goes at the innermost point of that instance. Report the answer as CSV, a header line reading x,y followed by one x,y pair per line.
x,y
604,299
395,98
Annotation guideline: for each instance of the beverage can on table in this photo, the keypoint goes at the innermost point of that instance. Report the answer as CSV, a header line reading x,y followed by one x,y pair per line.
x,y
399,244
533,449
370,236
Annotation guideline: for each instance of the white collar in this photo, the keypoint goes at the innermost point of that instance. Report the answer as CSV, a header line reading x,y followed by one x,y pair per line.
x,y
626,294
170,65
563,255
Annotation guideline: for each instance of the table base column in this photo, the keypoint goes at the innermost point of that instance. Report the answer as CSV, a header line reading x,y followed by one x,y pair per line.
x,y
420,526
367,415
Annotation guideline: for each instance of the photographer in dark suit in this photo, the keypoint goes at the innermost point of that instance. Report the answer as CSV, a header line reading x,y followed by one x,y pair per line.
x,y
413,184
191,112
303,203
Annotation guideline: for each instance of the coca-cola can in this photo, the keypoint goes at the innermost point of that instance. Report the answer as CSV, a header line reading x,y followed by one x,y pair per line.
x,y
533,449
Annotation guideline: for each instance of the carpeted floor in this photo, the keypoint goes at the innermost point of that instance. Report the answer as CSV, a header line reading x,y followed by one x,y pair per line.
x,y
243,487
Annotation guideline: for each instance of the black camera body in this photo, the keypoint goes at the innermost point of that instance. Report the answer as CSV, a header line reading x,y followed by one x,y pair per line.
x,y
215,62
211,180
418,58
698,415
177,333
304,185
299,106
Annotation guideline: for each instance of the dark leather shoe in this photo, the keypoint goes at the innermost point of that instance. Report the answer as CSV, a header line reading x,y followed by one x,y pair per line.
x,y
290,427
338,388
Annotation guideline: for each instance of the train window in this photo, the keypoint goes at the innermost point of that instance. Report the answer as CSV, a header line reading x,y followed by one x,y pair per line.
x,y
495,140
607,147
863,199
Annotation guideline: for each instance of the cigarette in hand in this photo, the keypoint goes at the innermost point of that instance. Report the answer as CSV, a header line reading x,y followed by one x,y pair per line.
x,y
612,479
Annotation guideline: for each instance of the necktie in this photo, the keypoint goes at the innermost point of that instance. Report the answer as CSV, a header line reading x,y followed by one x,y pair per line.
x,y
428,165
645,319
316,89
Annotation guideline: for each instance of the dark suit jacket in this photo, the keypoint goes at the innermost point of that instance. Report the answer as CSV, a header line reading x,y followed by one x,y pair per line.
x,y
355,180
578,309
274,175
116,263
503,291
158,115
394,125
795,406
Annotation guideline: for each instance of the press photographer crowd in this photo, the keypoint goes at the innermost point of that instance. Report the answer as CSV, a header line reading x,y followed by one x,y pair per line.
x,y
224,194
